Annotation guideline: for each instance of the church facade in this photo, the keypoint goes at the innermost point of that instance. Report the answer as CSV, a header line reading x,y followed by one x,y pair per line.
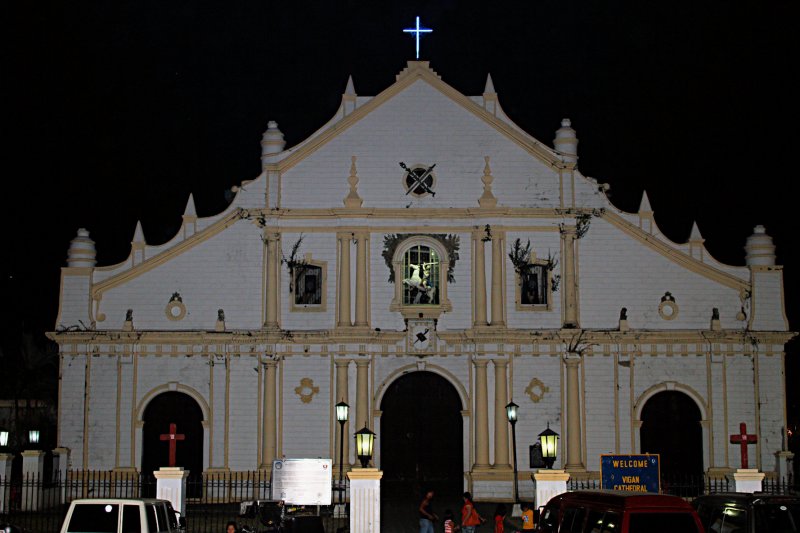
x,y
421,234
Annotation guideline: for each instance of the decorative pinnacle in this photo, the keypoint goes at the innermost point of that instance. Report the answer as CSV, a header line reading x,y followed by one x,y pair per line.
x,y
353,199
487,199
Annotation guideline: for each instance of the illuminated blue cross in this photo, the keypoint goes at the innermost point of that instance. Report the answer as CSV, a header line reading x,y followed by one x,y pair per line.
x,y
417,30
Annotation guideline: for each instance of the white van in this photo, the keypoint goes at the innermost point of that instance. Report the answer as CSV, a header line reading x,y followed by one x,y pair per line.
x,y
119,515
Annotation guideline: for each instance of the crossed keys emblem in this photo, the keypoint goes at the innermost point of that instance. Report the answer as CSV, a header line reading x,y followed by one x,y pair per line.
x,y
419,179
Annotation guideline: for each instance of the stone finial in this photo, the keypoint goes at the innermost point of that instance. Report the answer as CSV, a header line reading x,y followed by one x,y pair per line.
x,y
644,205
696,243
353,199
487,199
272,141
489,89
81,251
350,90
566,142
138,235
760,249
190,210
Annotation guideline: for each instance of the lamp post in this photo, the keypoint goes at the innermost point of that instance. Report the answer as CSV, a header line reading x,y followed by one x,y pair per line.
x,y
365,439
549,440
511,413
342,410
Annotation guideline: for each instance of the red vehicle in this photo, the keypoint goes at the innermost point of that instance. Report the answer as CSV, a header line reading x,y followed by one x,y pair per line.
x,y
605,511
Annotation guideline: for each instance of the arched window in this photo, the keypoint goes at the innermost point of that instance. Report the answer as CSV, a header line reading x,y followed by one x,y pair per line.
x,y
421,276
420,266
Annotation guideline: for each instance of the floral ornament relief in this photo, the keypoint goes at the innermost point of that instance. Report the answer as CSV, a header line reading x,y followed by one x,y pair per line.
x,y
536,390
306,390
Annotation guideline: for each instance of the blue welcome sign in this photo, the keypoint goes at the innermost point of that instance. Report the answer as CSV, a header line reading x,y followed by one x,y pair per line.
x,y
631,473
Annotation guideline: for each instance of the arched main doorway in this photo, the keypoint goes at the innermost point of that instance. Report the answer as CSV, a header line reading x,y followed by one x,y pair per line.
x,y
182,410
671,428
421,436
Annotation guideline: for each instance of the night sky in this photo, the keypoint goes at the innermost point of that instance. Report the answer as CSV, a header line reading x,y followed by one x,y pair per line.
x,y
116,111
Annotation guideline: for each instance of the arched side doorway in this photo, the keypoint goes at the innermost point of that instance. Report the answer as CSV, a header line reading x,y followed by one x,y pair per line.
x,y
182,410
671,427
421,436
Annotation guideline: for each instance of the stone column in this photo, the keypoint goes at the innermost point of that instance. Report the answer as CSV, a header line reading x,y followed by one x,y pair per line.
x,y
574,453
568,281
479,273
268,415
481,415
342,394
549,484
273,290
32,478
500,418
747,480
498,249
362,287
171,485
343,298
362,394
365,500
5,480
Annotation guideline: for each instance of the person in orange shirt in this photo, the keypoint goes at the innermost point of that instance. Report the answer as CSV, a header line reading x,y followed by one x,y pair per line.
x,y
470,519
527,517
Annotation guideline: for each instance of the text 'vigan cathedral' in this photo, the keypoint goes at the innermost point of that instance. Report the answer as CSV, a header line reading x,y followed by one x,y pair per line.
x,y
425,260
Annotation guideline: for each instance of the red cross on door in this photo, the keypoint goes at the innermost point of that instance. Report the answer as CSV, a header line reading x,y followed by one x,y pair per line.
x,y
172,437
743,439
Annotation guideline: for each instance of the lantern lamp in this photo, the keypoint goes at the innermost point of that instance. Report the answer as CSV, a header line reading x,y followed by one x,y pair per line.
x,y
342,409
3,438
549,440
364,442
33,436
511,412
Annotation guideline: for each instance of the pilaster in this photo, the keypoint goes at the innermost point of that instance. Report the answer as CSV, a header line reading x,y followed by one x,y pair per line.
x,y
481,415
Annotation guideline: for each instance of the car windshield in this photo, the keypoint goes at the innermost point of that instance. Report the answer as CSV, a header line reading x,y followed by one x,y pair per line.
x,y
94,518
777,517
662,523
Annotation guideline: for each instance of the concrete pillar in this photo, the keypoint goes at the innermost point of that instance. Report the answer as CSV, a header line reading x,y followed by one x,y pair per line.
x,y
747,480
171,485
269,427
498,252
362,287
343,297
362,393
5,480
574,453
500,418
342,394
273,290
32,479
481,415
568,278
549,484
479,289
60,471
365,500
783,462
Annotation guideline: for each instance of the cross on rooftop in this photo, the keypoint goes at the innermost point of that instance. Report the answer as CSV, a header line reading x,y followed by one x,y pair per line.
x,y
173,436
417,31
743,439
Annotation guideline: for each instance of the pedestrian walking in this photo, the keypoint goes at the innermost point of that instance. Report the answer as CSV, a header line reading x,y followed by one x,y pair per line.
x,y
470,519
426,515
499,518
527,517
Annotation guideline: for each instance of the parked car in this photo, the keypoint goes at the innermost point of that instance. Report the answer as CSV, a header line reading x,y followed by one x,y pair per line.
x,y
606,511
738,512
118,515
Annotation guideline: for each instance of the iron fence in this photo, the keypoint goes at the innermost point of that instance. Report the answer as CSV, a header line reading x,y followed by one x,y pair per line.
x,y
39,503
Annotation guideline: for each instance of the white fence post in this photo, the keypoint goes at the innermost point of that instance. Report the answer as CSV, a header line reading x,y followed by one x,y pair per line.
x,y
32,479
5,481
748,480
171,485
365,500
549,483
